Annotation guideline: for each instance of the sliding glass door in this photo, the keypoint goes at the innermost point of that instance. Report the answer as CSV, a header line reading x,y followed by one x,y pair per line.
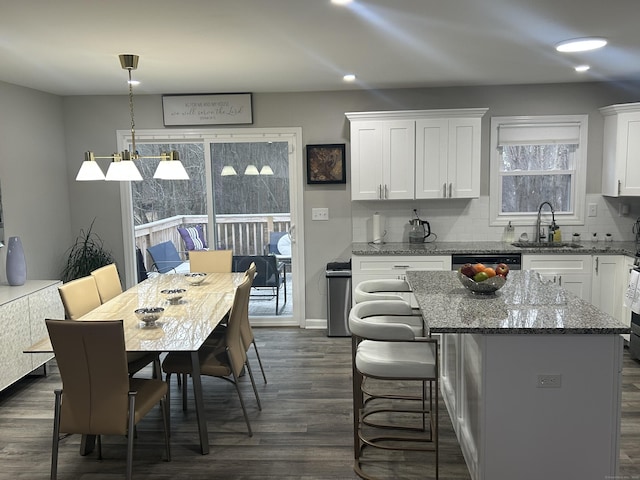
x,y
239,191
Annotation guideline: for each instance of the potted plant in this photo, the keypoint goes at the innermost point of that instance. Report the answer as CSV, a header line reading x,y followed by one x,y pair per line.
x,y
85,255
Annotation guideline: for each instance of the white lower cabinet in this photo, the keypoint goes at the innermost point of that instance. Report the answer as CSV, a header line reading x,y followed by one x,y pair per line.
x,y
572,272
607,285
376,267
23,310
505,424
625,311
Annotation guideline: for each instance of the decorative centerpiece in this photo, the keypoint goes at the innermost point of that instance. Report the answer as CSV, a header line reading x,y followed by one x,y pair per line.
x,y
195,278
173,295
149,315
483,280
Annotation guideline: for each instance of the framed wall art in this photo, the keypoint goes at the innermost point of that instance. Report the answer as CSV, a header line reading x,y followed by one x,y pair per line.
x,y
213,109
326,163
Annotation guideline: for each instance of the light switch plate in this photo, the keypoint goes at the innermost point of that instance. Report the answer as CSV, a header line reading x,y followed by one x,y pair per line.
x,y
319,214
593,210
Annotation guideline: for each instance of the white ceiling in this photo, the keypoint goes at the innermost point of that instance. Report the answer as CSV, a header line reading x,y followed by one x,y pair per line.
x,y
71,47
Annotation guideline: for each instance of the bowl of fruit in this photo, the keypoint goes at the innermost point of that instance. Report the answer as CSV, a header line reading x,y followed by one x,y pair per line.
x,y
483,280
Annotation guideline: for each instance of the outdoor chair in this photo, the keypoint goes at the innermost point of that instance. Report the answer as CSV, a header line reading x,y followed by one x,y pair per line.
x,y
270,274
166,258
280,246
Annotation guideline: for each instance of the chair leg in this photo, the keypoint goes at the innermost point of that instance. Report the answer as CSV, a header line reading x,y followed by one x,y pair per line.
x,y
168,404
255,347
277,299
244,410
164,407
184,392
132,406
56,435
253,383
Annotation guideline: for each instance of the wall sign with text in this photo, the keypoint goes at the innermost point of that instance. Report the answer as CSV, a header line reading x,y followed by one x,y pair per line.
x,y
215,109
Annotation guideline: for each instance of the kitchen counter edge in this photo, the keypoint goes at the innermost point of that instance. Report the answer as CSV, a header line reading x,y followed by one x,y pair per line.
x,y
453,248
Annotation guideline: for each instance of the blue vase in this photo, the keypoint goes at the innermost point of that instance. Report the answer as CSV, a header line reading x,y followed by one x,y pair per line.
x,y
16,263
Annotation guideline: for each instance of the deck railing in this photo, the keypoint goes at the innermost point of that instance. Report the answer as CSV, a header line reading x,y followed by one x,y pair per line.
x,y
243,234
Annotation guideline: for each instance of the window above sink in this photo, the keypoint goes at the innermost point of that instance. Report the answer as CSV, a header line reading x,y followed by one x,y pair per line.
x,y
536,159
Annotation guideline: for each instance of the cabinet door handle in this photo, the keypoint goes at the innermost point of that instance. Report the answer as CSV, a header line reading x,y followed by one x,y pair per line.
x,y
619,186
597,264
380,191
403,267
386,191
444,190
450,190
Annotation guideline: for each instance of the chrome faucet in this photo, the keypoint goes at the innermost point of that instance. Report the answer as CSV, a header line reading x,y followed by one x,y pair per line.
x,y
539,235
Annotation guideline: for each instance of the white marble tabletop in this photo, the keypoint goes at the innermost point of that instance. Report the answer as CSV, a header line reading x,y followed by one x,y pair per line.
x,y
184,325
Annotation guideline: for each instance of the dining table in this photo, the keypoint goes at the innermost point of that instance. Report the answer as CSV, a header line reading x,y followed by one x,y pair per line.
x,y
183,326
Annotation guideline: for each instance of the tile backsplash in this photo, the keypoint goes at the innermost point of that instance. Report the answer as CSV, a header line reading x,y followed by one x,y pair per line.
x,y
456,220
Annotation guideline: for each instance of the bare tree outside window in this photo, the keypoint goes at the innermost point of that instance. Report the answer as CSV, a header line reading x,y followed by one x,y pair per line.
x,y
155,199
532,174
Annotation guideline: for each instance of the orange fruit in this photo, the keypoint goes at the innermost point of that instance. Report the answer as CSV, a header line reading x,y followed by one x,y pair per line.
x,y
478,267
490,272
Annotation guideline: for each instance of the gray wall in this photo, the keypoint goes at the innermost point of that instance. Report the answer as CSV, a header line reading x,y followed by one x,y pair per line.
x,y
40,130
33,176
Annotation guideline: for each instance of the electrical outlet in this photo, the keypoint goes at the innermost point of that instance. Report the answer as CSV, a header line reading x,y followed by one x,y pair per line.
x,y
319,214
593,210
549,381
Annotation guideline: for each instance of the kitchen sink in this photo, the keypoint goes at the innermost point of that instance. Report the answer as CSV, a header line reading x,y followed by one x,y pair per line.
x,y
546,244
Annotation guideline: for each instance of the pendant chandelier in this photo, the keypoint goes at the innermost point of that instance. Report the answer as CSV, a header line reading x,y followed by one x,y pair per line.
x,y
122,167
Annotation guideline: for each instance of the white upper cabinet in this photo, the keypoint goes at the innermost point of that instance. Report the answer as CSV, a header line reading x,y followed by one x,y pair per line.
x,y
382,159
415,154
621,154
448,158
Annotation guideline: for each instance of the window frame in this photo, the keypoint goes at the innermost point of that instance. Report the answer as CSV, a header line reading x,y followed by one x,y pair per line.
x,y
577,217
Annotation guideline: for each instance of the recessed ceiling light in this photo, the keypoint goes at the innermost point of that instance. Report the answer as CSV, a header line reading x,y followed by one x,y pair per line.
x,y
341,2
349,77
582,68
581,44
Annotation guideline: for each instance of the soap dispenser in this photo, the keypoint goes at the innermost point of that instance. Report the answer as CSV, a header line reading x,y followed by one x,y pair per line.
x,y
508,235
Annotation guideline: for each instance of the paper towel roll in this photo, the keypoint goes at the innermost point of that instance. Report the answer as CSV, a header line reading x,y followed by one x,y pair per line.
x,y
377,231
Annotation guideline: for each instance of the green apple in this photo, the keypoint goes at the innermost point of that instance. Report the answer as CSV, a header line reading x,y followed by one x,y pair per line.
x,y
480,277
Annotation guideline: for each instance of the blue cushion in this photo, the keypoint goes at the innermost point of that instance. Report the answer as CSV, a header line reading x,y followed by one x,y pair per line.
x,y
193,237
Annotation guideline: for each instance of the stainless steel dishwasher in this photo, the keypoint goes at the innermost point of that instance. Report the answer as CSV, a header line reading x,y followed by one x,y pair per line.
x,y
512,260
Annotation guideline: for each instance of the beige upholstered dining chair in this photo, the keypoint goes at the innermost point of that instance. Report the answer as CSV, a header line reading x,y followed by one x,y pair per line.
x,y
246,331
107,281
80,296
97,396
210,261
225,362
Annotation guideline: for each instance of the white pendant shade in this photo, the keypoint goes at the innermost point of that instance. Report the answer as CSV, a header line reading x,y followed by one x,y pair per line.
x,y
266,170
251,170
228,170
89,171
171,170
123,171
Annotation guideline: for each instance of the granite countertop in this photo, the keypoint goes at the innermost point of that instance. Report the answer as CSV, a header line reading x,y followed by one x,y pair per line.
x,y
449,248
525,305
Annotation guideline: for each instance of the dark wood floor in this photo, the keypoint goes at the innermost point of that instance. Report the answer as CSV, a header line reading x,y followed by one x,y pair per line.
x,y
303,432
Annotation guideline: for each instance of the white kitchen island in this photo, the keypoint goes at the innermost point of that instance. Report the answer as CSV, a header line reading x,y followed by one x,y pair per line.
x,y
531,377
